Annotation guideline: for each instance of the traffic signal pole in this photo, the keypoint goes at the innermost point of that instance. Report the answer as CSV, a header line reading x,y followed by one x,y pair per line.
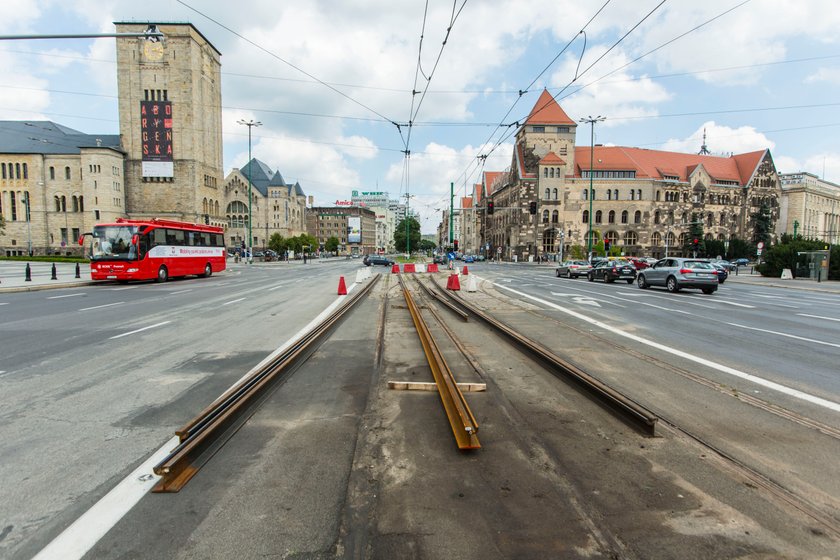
x,y
451,210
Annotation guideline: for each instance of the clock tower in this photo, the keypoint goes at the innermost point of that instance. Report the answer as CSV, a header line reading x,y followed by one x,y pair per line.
x,y
171,123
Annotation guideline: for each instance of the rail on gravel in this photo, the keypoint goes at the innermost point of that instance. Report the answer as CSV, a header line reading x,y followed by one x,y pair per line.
x,y
626,408
207,433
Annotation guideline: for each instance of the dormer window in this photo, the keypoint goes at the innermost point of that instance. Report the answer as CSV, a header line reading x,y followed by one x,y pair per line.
x,y
562,129
538,129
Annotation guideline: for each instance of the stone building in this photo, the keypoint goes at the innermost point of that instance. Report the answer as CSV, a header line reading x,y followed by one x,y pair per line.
x,y
443,237
275,206
812,204
642,200
55,183
468,234
336,221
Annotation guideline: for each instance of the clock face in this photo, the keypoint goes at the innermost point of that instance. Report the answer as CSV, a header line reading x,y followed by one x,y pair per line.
x,y
153,50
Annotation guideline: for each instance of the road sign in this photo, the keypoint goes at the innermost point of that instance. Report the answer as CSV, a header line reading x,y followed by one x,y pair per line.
x,y
760,245
758,253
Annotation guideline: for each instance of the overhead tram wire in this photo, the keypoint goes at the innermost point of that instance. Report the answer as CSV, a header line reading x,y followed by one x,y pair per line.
x,y
284,61
467,173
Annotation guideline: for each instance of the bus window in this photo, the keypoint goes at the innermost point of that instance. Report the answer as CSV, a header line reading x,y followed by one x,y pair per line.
x,y
175,237
143,246
159,237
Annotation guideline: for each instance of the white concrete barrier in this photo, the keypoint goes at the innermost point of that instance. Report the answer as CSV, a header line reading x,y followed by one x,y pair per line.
x,y
786,274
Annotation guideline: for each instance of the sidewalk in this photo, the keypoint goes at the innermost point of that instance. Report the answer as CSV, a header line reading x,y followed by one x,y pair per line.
x,y
13,276
746,277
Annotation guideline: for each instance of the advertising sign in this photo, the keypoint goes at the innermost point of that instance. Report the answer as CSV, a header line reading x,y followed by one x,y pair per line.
x,y
156,138
354,229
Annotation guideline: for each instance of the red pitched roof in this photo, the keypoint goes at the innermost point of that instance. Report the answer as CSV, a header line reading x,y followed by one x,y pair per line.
x,y
489,180
519,158
466,202
547,111
552,159
656,163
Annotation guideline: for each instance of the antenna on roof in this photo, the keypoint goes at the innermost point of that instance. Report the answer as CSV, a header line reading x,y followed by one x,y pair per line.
x,y
704,150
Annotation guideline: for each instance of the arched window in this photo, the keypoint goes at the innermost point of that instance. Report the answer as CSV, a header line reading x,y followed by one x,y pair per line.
x,y
612,237
57,203
656,217
545,172
551,173
75,203
204,205
584,194
656,239
637,217
670,239
555,217
657,196
609,194
638,194
67,172
630,238
25,171
545,216
615,194
3,167
585,219
556,194
624,216
547,194
710,220
17,170
592,236
52,173
611,217
598,217
632,194
722,219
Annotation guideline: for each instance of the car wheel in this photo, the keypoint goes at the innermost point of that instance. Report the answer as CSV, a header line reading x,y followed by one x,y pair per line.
x,y
590,277
569,275
557,273
672,284
709,291
163,274
608,280
642,282
629,280
721,281
208,271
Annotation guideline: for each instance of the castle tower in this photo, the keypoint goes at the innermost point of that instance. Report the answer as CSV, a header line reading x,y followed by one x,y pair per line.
x,y
549,129
171,123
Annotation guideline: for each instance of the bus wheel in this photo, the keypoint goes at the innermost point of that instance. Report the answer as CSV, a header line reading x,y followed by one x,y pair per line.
x,y
208,271
163,274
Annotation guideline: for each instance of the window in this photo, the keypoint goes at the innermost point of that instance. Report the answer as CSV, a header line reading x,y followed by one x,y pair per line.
x,y
722,219
66,172
632,194
585,219
25,171
538,129
624,216
611,217
547,194
710,220
555,217
13,205
615,194
562,129
637,217
551,172
52,173
585,194
545,172
638,194
556,194
609,194
630,238
545,216
598,217
3,167
656,239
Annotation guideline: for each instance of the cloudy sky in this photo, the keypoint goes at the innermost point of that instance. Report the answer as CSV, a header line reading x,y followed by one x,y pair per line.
x,y
754,74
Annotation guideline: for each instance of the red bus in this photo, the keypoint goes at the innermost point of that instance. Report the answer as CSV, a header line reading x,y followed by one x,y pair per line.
x,y
154,249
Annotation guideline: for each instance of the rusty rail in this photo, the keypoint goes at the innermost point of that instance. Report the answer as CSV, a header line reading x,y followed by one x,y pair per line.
x,y
207,433
628,409
463,423
443,301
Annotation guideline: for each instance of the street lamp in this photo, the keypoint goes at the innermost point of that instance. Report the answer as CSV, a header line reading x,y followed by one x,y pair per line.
x,y
28,222
591,120
250,124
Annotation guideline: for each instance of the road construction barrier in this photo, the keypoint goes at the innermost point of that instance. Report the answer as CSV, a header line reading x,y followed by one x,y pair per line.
x,y
395,269
432,268
472,284
342,287
453,283
786,274
409,267
360,276
420,268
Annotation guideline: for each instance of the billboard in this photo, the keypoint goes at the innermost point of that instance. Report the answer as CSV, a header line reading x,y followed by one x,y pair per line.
x,y
156,136
354,229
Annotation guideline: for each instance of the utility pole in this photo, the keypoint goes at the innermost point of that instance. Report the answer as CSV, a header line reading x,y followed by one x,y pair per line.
x,y
591,120
250,124
407,229
451,211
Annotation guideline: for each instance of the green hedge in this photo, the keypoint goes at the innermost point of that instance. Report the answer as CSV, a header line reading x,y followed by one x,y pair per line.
x,y
44,258
785,255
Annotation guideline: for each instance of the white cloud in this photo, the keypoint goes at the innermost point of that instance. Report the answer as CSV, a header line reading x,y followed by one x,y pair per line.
x,y
721,139
829,75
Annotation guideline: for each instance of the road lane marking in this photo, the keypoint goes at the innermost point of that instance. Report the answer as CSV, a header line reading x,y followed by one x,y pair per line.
x,y
4,303
101,306
65,295
278,286
234,301
819,317
77,539
140,330
584,300
180,292
659,307
736,304
124,288
813,399
786,335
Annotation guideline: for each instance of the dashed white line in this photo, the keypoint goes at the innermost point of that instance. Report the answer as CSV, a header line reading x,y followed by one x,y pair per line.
x,y
101,306
124,288
736,304
277,287
786,335
140,330
819,317
65,295
819,401
234,301
180,292
4,303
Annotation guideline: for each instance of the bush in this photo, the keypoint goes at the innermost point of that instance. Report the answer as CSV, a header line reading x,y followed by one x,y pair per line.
x,y
785,254
43,258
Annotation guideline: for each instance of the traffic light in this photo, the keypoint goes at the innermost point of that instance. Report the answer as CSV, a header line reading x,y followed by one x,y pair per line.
x,y
533,207
490,208
456,244
696,242
207,219
606,246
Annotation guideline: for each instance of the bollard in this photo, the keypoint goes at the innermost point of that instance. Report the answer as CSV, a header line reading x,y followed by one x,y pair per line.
x,y
54,276
78,272
28,273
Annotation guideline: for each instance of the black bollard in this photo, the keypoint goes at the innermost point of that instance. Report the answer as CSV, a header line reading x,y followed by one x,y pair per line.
x,y
28,273
78,273
54,276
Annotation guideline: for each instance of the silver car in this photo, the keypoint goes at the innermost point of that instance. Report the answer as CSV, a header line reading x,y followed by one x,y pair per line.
x,y
572,269
677,273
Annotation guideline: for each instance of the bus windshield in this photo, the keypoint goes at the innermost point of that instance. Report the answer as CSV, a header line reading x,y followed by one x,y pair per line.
x,y
113,243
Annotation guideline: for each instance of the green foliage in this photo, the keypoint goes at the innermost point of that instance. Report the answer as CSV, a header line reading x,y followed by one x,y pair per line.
x,y
695,231
413,234
763,228
332,244
785,255
426,245
277,243
715,248
577,252
739,248
45,258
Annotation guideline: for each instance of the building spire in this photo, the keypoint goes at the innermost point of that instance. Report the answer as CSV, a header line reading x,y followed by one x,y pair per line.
x,y
704,150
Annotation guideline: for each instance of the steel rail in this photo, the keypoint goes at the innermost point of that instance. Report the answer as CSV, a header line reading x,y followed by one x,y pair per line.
x,y
449,305
461,419
212,427
640,417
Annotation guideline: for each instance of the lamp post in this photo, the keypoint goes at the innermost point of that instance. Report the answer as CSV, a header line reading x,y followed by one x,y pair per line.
x,y
250,124
28,223
591,120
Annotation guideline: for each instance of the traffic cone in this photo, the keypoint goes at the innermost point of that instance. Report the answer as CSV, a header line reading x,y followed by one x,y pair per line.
x,y
342,288
466,272
395,269
471,284
453,283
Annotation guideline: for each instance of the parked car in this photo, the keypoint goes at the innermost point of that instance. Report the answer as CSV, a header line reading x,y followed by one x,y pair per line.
x,y
572,269
439,259
639,263
371,260
469,259
725,264
722,272
610,271
676,273
741,262
480,258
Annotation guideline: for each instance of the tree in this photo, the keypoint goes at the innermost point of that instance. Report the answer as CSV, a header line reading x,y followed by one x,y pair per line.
x,y
763,225
786,254
577,252
414,234
739,248
695,231
426,245
277,243
332,244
